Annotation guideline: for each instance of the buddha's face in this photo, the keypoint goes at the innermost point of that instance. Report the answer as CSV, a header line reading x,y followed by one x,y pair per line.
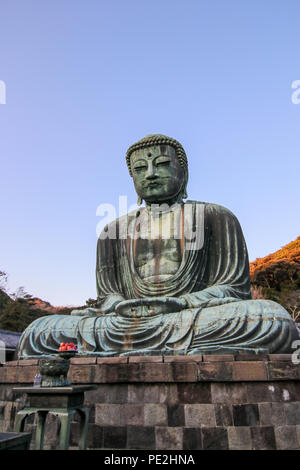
x,y
157,173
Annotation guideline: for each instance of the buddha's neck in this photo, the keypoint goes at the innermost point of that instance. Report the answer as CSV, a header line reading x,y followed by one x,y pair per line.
x,y
163,206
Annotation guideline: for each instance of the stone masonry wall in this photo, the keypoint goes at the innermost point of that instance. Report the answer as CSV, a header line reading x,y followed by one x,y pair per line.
x,y
182,403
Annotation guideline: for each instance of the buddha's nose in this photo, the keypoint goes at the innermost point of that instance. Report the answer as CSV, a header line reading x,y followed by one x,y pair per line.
x,y
151,172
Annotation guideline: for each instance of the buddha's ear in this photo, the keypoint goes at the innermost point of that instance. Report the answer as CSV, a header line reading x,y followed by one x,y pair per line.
x,y
184,190
139,201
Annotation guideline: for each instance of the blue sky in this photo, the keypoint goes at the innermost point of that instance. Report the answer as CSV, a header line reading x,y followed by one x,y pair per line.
x,y
86,79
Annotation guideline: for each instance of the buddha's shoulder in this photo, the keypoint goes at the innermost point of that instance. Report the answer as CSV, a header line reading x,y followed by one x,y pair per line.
x,y
122,220
215,210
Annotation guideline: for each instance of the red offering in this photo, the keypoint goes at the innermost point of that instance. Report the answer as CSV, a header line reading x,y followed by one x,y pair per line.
x,y
67,347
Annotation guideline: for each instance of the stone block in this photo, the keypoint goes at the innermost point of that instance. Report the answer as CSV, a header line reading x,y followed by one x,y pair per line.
x,y
134,372
194,392
229,393
249,371
114,437
176,415
83,360
218,357
2,374
192,439
214,438
112,360
11,375
81,374
215,371
156,372
286,438
273,391
271,414
136,393
183,371
224,415
263,438
131,415
151,393
107,414
292,412
169,438
252,357
260,392
145,359
239,438
155,414
95,437
111,373
26,374
108,393
141,438
280,357
245,415
199,415
11,364
28,362
183,358
282,370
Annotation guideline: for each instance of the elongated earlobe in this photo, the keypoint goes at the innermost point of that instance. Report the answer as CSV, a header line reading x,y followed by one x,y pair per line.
x,y
139,201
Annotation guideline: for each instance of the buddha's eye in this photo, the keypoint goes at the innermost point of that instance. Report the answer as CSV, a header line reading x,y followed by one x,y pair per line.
x,y
163,163
140,168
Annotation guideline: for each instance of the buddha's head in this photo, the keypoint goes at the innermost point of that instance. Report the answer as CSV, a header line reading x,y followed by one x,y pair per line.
x,y
158,166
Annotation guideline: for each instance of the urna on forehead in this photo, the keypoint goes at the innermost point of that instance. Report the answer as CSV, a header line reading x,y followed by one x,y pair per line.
x,y
153,151
157,140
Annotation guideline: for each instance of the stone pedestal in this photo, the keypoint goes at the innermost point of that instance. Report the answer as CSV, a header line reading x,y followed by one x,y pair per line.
x,y
182,403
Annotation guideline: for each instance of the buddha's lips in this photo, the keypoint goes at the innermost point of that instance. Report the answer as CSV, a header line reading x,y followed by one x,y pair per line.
x,y
152,185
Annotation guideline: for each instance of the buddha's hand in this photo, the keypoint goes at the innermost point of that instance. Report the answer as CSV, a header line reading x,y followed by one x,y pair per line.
x,y
106,306
109,304
86,312
150,306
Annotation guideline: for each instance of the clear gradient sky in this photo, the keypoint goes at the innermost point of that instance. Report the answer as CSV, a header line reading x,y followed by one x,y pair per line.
x,y
87,78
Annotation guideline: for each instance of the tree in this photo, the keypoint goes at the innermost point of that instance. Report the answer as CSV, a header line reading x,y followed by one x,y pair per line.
x,y
3,281
93,303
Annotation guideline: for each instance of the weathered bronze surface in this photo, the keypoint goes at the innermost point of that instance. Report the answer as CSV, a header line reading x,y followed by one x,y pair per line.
x,y
63,402
172,277
54,372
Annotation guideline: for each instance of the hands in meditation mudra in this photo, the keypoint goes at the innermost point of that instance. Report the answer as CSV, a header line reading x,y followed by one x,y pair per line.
x,y
172,277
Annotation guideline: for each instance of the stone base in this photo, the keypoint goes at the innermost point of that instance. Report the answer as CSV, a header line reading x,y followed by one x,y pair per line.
x,y
182,403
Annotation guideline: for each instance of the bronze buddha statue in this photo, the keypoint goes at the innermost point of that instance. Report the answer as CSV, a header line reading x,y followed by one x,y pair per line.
x,y
172,277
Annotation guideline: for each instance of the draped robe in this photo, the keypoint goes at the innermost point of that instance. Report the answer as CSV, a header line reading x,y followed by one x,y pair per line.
x,y
213,278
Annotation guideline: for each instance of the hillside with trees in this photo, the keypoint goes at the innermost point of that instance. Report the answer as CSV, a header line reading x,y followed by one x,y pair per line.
x,y
277,277
19,309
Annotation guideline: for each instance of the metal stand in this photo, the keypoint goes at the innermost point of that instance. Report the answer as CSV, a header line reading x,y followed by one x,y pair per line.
x,y
58,401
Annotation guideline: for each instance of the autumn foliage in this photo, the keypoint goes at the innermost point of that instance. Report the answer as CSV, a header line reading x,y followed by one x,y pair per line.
x,y
277,277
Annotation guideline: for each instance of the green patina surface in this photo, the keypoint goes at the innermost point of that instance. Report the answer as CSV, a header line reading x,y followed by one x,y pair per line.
x,y
172,277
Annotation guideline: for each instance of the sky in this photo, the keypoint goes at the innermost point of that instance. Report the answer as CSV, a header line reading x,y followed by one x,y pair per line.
x,y
85,79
